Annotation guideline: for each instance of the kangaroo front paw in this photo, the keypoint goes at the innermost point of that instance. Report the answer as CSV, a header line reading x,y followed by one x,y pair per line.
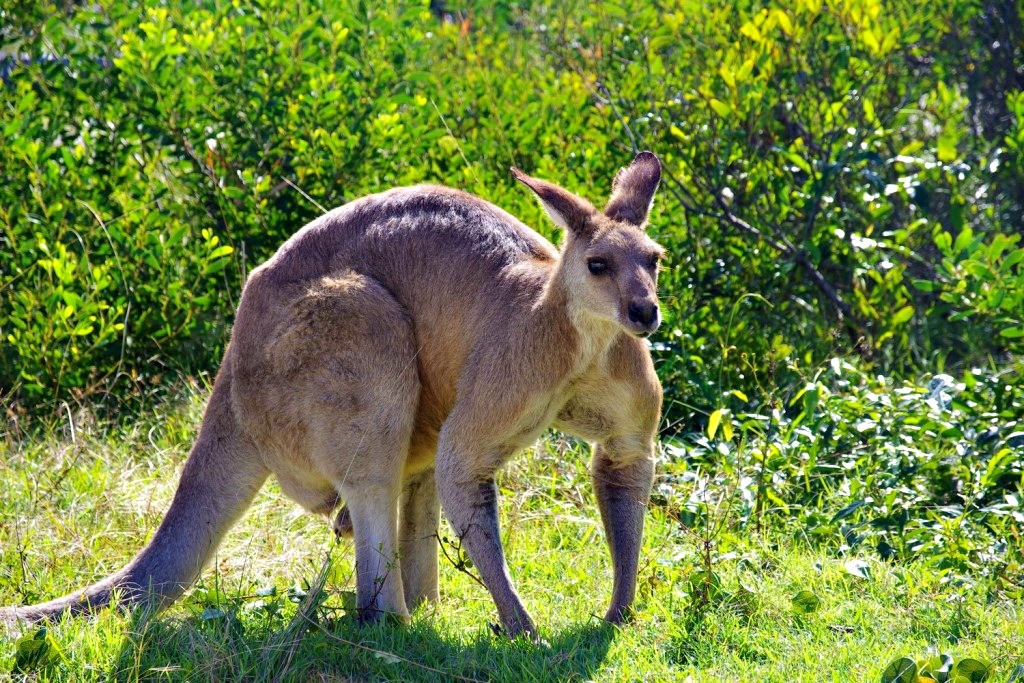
x,y
519,626
343,523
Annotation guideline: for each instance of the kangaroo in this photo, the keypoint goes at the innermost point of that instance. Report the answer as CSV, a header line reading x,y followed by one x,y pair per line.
x,y
394,354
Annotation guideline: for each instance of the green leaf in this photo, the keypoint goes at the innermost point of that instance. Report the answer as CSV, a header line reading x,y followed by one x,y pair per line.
x,y
805,602
1012,259
869,111
220,251
936,668
713,421
752,32
34,652
720,107
963,240
744,71
706,584
903,315
799,161
903,670
728,75
974,670
946,145
1012,332
925,285
727,430
848,510
784,21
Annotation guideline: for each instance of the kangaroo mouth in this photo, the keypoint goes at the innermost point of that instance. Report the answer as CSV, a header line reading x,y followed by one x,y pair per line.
x,y
642,331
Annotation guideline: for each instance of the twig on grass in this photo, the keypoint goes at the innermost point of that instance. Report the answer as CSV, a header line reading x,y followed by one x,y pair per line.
x,y
384,653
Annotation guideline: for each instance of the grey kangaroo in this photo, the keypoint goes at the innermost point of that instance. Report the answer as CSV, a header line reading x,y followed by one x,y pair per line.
x,y
393,355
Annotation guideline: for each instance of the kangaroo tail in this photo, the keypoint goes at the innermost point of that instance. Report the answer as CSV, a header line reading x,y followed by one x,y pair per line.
x,y
222,475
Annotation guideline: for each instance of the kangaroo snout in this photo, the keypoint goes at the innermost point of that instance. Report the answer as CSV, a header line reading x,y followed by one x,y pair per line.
x,y
643,316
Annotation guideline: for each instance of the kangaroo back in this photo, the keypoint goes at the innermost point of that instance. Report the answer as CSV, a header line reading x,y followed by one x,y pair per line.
x,y
220,479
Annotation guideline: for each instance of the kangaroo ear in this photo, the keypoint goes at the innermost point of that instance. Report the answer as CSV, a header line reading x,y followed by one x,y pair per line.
x,y
633,190
566,209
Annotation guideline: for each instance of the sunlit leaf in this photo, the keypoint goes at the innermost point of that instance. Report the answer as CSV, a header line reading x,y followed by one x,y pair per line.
x,y
720,107
974,670
713,421
903,315
902,670
858,568
805,602
946,145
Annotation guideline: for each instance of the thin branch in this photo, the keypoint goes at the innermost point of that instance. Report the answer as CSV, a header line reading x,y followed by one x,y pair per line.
x,y
298,189
618,115
457,562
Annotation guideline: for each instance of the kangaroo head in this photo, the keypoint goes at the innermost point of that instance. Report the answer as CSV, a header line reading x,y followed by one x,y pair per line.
x,y
609,264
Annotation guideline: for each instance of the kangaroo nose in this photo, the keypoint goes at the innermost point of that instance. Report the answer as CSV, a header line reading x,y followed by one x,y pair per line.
x,y
642,313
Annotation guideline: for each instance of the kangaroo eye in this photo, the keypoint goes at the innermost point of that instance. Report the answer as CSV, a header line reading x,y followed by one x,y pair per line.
x,y
652,262
597,266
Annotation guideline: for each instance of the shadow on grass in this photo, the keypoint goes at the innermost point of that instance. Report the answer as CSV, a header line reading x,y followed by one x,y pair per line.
x,y
261,649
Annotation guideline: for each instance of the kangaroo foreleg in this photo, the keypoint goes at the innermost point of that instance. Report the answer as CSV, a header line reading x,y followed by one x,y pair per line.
x,y
470,502
623,487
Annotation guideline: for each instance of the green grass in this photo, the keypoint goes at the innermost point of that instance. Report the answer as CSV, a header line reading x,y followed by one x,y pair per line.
x,y
77,503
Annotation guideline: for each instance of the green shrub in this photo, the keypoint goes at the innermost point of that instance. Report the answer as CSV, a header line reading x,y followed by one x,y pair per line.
x,y
927,469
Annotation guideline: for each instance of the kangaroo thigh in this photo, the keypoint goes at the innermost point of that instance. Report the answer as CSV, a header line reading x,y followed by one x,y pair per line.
x,y
332,392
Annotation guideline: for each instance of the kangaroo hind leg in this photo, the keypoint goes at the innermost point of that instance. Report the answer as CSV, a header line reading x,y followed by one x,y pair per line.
x,y
420,516
358,403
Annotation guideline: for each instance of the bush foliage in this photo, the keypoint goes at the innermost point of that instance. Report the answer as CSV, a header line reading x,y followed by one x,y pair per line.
x,y
855,165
